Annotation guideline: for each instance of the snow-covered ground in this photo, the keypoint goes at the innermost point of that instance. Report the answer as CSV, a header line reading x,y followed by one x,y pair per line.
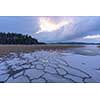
x,y
78,65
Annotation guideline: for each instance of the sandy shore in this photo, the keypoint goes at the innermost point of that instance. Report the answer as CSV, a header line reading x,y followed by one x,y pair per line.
x,y
6,49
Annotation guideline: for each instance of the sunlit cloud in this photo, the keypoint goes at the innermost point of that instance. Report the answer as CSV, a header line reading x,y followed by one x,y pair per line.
x,y
97,36
46,24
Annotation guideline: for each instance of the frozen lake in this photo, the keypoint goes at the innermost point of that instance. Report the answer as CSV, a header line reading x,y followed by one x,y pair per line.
x,y
72,65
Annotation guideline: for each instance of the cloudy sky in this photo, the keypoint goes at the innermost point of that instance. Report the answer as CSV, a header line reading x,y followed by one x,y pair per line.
x,y
54,29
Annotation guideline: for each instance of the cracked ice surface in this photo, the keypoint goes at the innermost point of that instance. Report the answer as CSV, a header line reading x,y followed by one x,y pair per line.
x,y
49,66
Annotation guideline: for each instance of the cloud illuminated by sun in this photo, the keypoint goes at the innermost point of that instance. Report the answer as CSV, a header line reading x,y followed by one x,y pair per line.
x,y
46,24
97,36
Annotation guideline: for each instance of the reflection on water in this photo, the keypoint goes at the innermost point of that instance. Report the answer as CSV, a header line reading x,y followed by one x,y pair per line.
x,y
88,50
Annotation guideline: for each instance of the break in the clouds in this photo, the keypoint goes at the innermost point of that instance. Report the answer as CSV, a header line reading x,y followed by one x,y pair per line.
x,y
55,28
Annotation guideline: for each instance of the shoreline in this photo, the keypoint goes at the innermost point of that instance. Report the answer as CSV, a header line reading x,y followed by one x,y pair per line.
x,y
6,49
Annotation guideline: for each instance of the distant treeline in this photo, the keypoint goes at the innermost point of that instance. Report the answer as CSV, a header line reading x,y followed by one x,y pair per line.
x,y
16,38
79,43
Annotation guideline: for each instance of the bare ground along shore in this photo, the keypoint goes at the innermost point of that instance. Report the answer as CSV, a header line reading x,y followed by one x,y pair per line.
x,y
6,49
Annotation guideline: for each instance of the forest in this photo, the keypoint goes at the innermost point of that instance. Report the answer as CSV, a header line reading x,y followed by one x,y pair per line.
x,y
17,38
